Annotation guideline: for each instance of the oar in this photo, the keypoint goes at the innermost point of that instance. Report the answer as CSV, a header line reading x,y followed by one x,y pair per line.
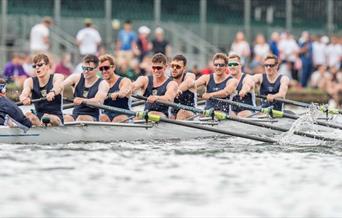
x,y
275,113
137,103
68,106
156,118
222,116
305,105
32,101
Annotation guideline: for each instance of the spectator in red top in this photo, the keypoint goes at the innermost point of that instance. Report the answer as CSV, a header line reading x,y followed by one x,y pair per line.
x,y
64,67
143,43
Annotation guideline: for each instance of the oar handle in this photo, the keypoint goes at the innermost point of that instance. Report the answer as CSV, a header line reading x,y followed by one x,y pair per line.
x,y
170,104
32,101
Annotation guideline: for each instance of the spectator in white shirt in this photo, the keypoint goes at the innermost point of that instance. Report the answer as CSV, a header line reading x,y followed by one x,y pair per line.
x,y
288,52
261,48
319,47
39,36
88,39
334,52
241,47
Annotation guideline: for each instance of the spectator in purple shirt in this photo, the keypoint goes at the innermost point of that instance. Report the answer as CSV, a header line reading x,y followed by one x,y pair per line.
x,y
14,71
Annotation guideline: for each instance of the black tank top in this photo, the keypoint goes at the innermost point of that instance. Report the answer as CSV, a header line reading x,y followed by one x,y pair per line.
x,y
248,99
212,86
86,92
119,102
49,107
266,88
160,90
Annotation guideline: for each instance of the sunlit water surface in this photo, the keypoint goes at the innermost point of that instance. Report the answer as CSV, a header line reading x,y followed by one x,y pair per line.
x,y
211,177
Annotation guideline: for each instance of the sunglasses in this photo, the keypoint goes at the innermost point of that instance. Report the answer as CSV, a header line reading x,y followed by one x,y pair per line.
x,y
34,66
104,68
176,66
88,68
157,67
219,65
270,65
233,64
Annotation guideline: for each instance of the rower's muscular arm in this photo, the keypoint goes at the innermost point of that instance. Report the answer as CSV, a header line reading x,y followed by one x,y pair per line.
x,y
257,79
25,96
140,83
57,87
170,94
247,86
125,88
203,80
284,85
101,94
188,83
58,84
71,80
228,90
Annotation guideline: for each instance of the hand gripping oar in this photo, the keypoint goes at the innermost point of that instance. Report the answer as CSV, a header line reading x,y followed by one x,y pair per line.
x,y
156,118
275,113
32,101
224,116
322,108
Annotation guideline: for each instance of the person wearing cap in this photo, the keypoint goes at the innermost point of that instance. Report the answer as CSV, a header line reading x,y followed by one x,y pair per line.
x,y
160,44
39,36
9,110
143,43
245,88
88,39
47,87
87,87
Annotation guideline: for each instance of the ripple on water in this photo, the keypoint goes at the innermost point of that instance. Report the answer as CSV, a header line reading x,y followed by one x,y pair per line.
x,y
207,177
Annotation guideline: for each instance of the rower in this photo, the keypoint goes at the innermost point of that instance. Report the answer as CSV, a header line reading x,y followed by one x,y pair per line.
x,y
119,91
218,84
186,93
245,88
272,84
44,85
87,88
9,108
157,86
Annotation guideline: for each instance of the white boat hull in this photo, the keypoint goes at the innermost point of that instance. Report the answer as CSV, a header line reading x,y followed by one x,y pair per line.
x,y
83,132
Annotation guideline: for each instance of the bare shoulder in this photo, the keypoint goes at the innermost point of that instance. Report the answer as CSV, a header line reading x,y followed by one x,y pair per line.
x,y
172,84
58,76
285,78
190,75
126,80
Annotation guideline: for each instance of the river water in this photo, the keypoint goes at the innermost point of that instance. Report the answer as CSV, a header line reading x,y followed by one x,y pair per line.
x,y
221,177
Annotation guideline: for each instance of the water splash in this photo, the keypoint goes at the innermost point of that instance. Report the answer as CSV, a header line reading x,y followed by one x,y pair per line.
x,y
305,123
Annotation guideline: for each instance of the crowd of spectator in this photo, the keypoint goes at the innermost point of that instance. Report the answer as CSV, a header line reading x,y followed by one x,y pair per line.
x,y
309,61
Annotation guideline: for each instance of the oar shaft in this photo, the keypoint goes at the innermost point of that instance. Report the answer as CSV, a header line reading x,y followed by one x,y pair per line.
x,y
212,129
278,128
264,125
170,104
182,123
286,101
